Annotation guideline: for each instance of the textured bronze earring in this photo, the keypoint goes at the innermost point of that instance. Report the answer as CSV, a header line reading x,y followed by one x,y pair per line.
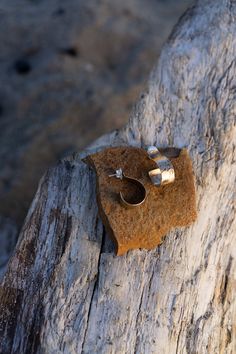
x,y
140,197
164,173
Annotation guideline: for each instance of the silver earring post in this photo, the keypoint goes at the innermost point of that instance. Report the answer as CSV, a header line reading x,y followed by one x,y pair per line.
x,y
118,174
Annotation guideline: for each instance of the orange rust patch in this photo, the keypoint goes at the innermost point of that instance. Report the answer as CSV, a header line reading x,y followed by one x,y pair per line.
x,y
165,207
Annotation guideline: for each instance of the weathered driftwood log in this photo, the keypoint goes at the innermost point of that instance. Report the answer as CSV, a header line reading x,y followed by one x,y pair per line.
x,y
66,291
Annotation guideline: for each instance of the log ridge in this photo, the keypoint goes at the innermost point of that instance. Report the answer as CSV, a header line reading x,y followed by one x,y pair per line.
x,y
66,292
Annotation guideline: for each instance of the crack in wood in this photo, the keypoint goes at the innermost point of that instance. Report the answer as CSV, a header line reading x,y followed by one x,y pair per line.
x,y
95,288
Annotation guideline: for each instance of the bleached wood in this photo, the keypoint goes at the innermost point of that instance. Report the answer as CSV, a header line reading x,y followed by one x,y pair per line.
x,y
66,292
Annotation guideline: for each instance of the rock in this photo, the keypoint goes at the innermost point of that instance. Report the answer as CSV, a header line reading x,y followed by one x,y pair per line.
x,y
165,207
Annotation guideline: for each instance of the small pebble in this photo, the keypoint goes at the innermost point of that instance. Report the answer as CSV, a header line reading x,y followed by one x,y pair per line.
x,y
72,52
22,66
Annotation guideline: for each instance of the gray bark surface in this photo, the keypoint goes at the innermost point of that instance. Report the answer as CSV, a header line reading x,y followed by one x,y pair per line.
x,y
66,292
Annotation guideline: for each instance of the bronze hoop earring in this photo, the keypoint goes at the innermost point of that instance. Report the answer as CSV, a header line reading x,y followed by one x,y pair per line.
x,y
139,200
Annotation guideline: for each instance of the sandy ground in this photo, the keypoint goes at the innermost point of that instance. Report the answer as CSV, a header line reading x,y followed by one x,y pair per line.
x,y
70,71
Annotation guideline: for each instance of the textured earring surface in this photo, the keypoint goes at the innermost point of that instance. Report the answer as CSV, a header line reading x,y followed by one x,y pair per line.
x,y
164,173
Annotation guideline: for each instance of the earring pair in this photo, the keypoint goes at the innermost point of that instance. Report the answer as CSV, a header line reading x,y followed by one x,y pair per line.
x,y
163,174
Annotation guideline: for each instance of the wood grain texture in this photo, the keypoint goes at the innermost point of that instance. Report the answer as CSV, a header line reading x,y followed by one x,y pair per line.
x,y
66,292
